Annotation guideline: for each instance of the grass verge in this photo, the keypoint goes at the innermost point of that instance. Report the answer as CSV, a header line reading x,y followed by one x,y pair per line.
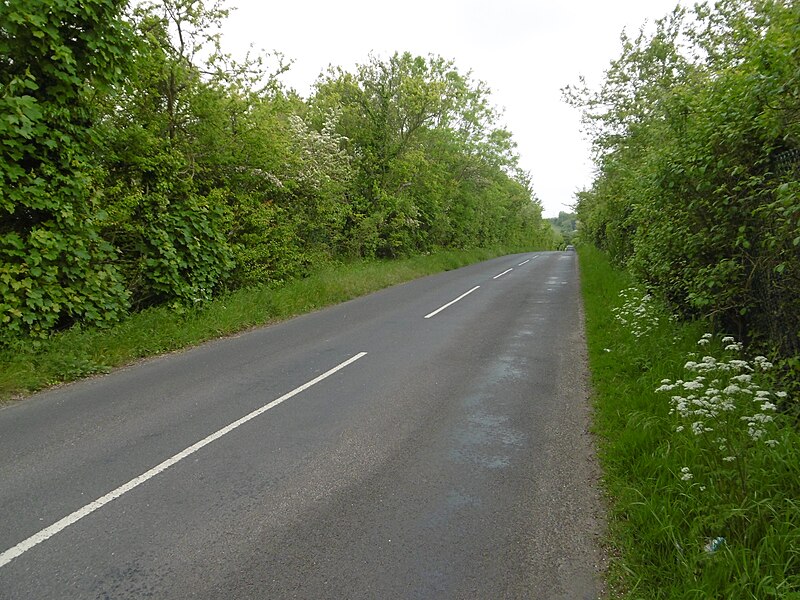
x,y
78,353
697,511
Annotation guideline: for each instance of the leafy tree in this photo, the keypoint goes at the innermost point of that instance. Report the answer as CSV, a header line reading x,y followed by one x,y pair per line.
x,y
166,222
430,160
141,165
57,57
694,131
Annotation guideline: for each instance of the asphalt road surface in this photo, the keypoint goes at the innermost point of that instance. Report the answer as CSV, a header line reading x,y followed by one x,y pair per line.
x,y
426,441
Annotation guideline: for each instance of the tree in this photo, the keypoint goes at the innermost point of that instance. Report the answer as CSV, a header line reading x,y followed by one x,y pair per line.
x,y
158,133
57,57
690,130
430,159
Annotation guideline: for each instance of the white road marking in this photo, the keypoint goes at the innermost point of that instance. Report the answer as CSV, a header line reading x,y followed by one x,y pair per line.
x,y
48,532
523,262
441,308
503,273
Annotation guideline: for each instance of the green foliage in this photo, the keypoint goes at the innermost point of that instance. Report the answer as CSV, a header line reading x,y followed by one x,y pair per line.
x,y
685,523
207,175
166,221
433,170
56,57
696,135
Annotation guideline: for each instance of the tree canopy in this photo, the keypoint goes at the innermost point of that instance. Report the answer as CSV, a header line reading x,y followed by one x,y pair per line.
x,y
696,132
141,165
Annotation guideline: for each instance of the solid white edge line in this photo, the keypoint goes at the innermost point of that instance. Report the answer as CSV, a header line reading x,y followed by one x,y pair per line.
x,y
441,308
503,273
523,262
48,532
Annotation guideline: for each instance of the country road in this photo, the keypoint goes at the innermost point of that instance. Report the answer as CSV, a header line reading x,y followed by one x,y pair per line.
x,y
426,441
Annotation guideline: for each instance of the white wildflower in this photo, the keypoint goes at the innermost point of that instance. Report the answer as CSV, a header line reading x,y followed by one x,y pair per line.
x,y
740,364
762,418
762,363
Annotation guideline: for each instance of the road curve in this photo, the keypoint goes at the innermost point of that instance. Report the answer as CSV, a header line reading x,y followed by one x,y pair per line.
x,y
426,441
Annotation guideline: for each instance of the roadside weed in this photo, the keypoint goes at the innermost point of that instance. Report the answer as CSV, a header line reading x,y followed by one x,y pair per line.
x,y
701,467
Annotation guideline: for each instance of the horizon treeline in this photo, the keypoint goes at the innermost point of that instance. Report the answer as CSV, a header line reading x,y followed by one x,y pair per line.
x,y
141,165
696,132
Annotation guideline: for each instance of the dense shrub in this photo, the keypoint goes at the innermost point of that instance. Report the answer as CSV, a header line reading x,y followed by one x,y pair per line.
x,y
179,173
54,266
697,137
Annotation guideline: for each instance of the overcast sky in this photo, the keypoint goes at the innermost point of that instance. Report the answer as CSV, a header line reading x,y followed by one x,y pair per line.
x,y
525,51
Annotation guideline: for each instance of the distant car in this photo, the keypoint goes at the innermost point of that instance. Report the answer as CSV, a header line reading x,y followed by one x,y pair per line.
x,y
570,248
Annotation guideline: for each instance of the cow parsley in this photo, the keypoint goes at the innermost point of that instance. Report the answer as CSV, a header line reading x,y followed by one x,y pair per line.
x,y
721,407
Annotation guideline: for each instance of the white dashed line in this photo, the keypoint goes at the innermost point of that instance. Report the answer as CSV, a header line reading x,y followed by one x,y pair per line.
x,y
441,308
503,273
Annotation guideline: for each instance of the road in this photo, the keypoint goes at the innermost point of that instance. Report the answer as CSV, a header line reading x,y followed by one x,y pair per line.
x,y
426,441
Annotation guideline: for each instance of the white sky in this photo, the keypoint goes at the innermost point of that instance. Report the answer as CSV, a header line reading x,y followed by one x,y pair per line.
x,y
525,51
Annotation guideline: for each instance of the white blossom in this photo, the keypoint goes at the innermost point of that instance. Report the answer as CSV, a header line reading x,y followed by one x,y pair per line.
x,y
739,364
718,396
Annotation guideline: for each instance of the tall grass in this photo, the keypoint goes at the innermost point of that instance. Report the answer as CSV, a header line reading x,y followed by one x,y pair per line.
x,y
76,353
682,524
